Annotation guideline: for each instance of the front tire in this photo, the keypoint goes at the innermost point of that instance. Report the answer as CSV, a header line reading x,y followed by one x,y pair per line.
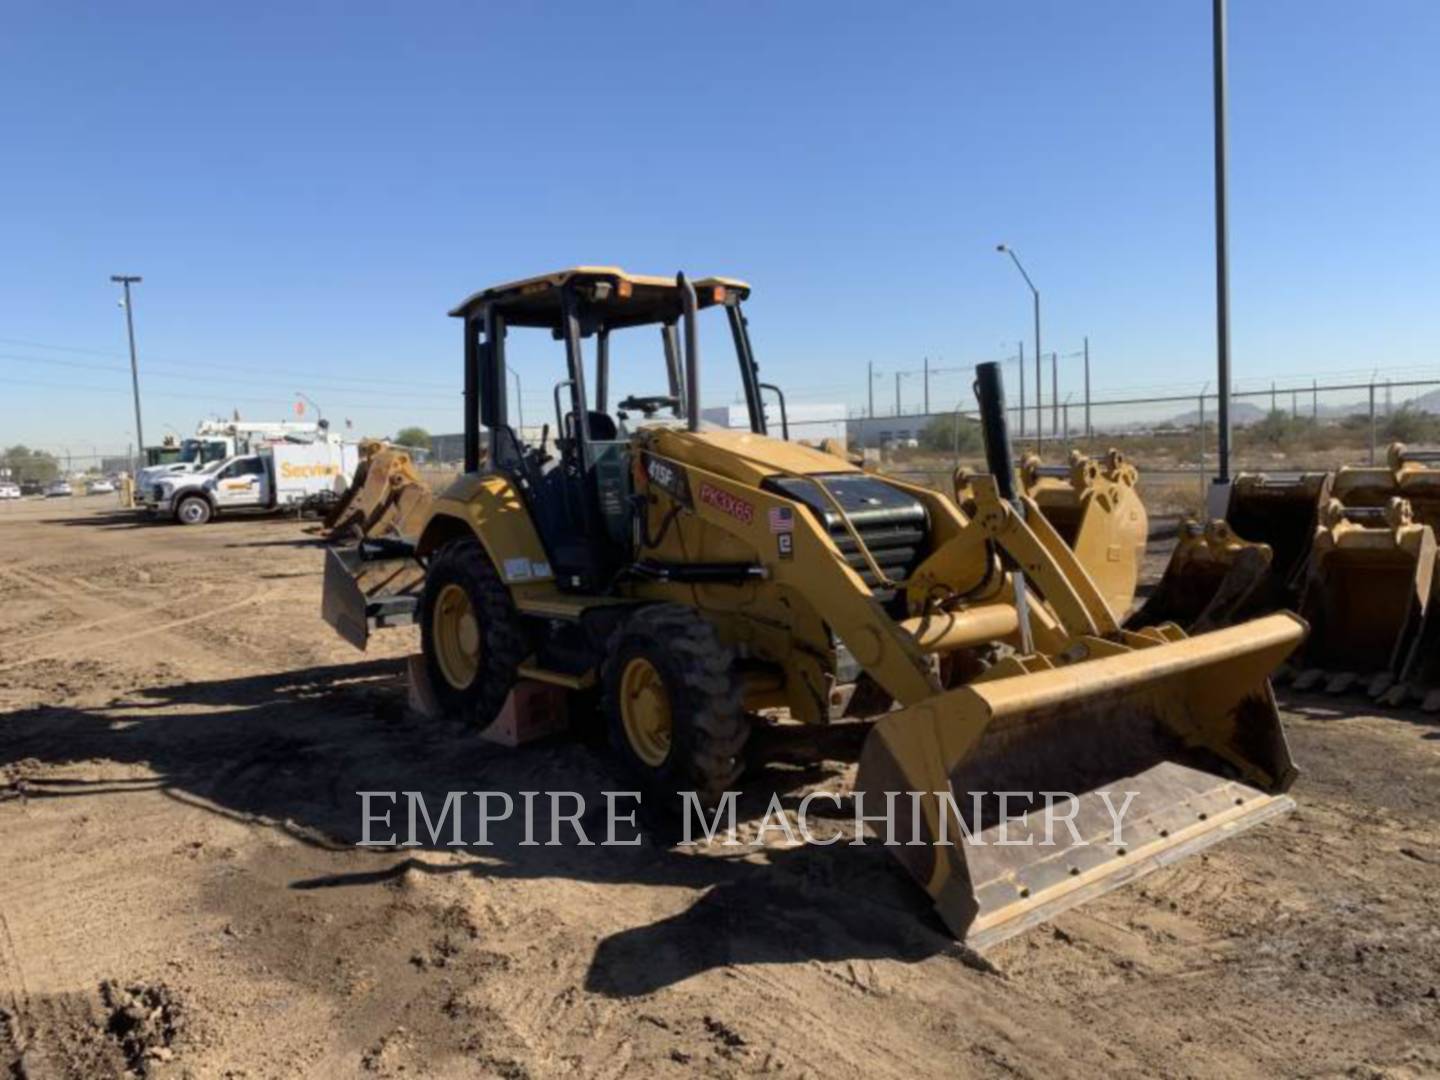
x,y
673,704
470,633
194,510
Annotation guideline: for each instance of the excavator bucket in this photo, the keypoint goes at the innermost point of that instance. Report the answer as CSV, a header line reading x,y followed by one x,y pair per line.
x,y
387,497
1367,598
1095,508
1409,473
1213,579
1283,513
1024,775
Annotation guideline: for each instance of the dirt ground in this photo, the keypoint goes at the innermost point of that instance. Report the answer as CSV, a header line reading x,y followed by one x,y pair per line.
x,y
181,741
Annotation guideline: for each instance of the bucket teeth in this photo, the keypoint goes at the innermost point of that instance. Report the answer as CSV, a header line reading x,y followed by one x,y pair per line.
x,y
1309,679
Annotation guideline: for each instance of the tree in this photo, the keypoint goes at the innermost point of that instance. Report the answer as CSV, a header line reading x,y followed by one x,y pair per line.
x,y
950,433
27,464
413,436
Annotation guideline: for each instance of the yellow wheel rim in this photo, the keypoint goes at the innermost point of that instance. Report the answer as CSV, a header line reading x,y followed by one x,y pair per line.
x,y
456,634
645,711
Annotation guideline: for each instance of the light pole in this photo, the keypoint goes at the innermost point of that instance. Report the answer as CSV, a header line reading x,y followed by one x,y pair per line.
x,y
125,281
319,415
1035,294
1222,246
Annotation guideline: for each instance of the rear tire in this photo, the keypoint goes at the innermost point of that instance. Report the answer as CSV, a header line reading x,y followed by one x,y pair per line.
x,y
471,634
673,704
194,510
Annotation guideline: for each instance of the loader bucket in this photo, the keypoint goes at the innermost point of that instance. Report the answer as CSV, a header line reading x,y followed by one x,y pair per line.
x,y
1366,597
1213,579
368,587
1186,729
1283,513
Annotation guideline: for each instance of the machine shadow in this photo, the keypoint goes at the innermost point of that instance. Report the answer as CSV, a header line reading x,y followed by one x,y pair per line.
x,y
291,750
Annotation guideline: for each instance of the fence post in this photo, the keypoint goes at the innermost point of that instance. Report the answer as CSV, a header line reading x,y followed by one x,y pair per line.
x,y
1372,423
1315,402
1066,416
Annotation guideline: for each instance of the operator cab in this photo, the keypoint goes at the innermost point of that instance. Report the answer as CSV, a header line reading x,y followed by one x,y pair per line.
x,y
579,494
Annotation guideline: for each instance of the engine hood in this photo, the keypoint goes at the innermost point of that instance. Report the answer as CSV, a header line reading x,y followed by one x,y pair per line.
x,y
744,456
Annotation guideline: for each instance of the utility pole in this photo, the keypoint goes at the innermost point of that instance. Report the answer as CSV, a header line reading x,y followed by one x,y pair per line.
x,y
897,393
125,281
927,386
1222,244
1089,432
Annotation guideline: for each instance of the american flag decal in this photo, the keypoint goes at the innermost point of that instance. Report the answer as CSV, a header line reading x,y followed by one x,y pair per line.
x,y
782,519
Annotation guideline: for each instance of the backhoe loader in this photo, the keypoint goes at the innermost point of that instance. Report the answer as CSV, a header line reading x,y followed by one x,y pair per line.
x,y
696,575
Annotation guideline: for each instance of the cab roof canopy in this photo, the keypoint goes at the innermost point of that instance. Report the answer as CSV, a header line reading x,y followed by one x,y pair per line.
x,y
613,296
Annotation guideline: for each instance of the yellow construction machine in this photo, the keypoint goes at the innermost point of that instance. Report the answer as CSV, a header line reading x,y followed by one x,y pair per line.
x,y
696,575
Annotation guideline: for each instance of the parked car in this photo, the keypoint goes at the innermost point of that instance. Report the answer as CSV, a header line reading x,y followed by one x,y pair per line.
x,y
100,487
58,488
9,490
31,487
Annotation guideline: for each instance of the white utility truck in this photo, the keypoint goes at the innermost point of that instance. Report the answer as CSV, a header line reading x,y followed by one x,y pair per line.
x,y
219,440
277,476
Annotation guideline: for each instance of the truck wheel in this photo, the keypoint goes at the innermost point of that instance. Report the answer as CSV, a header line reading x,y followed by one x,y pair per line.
x,y
673,704
193,510
470,633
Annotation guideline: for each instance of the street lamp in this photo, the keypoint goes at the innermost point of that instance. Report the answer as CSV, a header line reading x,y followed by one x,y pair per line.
x,y
1035,294
125,281
311,402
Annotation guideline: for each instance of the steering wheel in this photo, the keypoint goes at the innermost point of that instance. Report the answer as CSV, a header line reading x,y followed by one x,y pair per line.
x,y
650,405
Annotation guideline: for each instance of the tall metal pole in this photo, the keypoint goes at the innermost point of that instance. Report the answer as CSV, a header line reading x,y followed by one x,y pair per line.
x,y
1039,416
1089,433
125,281
870,367
1022,389
1222,245
1054,394
927,386
897,393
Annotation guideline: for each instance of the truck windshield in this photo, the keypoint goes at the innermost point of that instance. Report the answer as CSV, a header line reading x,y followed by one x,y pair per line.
x,y
202,452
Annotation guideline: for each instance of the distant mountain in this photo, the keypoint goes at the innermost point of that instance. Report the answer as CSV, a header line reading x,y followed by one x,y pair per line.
x,y
1241,413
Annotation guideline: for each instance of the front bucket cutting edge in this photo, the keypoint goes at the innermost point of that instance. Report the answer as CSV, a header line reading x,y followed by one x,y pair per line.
x,y
1186,731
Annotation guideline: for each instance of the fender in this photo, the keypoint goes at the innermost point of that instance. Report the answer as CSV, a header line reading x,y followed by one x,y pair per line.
x,y
489,507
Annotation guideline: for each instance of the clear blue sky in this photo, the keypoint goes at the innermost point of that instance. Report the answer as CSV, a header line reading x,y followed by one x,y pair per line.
x,y
306,195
